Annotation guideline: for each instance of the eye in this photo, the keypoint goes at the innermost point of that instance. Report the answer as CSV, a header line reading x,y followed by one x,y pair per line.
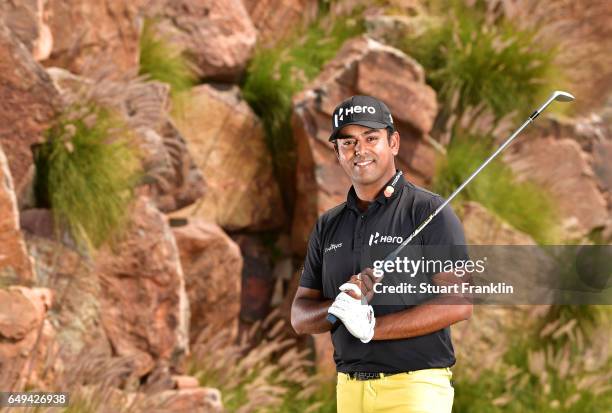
x,y
372,138
348,142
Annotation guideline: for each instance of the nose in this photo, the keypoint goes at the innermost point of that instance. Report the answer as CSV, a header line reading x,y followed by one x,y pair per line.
x,y
358,147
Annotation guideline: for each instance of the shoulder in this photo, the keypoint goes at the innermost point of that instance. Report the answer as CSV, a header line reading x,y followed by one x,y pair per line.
x,y
325,223
420,199
330,215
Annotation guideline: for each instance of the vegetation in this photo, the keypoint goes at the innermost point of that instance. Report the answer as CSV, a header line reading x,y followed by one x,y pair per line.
x,y
562,375
482,60
271,376
524,205
85,174
159,60
276,73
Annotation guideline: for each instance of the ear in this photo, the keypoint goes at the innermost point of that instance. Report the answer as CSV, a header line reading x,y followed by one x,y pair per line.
x,y
394,143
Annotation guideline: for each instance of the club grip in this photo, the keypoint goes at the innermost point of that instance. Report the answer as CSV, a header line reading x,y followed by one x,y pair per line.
x,y
332,319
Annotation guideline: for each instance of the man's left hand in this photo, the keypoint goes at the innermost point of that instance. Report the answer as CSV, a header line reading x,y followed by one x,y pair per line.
x,y
358,318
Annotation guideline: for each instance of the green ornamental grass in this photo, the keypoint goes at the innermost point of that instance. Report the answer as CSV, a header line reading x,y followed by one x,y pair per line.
x,y
86,174
276,73
498,64
160,60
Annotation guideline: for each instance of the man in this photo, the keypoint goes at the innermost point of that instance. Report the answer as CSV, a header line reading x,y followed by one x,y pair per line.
x,y
389,358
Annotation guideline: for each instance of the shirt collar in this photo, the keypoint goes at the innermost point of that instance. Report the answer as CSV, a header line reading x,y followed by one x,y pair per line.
x,y
396,182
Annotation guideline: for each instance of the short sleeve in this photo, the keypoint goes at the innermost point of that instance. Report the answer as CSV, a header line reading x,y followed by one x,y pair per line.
x,y
446,230
312,271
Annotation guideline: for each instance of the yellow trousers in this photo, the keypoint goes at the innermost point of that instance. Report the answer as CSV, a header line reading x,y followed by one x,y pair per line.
x,y
421,391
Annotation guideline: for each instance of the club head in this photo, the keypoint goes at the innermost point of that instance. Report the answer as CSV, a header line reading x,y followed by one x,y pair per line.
x,y
562,96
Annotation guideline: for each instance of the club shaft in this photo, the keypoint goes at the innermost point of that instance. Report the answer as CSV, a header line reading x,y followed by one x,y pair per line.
x,y
452,196
331,318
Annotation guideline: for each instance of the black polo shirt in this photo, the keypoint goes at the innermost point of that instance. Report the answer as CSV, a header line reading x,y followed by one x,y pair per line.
x,y
345,240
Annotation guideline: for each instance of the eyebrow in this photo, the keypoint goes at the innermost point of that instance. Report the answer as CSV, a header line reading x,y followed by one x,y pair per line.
x,y
368,132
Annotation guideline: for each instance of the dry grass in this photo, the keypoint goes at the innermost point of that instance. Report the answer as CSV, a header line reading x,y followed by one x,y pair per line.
x,y
96,383
548,363
272,376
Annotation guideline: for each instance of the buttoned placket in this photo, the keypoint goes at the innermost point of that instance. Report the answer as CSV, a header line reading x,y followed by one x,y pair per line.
x,y
358,240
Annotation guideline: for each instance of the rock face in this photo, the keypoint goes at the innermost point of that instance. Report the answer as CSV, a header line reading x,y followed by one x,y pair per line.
x,y
602,166
28,102
173,179
217,35
101,33
22,316
562,168
15,263
483,228
276,19
362,66
76,313
257,279
145,309
201,399
227,142
212,265
26,19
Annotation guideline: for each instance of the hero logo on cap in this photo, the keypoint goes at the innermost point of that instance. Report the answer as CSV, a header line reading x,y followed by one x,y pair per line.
x,y
361,110
353,109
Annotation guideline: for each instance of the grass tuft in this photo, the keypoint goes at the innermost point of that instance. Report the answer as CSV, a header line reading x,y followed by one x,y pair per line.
x,y
272,375
276,73
543,373
85,174
161,61
472,59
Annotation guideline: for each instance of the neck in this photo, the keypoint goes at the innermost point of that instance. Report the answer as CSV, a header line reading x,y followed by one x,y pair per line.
x,y
369,192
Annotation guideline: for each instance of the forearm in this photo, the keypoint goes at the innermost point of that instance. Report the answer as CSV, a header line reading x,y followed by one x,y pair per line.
x,y
423,319
308,316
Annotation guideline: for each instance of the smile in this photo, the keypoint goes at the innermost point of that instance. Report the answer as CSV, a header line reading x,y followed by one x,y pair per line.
x,y
364,163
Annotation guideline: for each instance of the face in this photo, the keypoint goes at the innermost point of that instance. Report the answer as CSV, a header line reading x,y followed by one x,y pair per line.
x,y
367,155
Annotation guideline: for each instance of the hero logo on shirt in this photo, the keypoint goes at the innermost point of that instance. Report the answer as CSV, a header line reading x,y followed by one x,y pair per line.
x,y
385,239
350,110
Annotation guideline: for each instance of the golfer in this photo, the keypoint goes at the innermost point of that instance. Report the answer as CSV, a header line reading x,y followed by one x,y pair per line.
x,y
389,358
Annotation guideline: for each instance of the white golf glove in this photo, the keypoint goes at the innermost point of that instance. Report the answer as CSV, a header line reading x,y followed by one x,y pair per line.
x,y
358,318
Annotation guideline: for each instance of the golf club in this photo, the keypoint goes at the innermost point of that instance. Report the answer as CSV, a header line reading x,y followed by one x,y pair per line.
x,y
558,95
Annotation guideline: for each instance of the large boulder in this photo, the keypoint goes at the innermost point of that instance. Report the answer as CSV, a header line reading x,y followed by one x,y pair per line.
x,y
28,103
227,142
15,263
145,310
258,279
27,20
216,35
199,399
362,66
277,19
602,154
484,228
562,168
212,265
76,313
22,317
95,34
173,179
